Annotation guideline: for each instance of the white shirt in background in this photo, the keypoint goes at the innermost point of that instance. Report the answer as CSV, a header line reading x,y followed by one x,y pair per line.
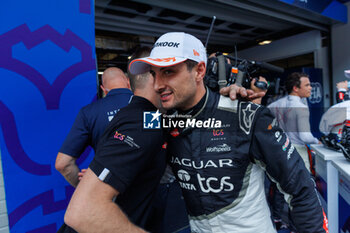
x,y
292,113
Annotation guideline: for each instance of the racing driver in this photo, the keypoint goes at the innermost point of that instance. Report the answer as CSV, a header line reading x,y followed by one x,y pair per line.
x,y
221,151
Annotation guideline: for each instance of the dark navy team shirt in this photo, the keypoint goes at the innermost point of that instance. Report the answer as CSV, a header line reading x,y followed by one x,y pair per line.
x,y
132,160
92,120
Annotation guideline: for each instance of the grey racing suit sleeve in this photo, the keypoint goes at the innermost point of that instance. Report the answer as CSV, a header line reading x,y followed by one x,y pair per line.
x,y
273,151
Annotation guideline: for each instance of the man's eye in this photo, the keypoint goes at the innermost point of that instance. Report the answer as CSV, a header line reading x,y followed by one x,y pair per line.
x,y
167,72
152,73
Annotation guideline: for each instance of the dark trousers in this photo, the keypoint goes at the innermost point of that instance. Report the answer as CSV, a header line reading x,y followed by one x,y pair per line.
x,y
170,213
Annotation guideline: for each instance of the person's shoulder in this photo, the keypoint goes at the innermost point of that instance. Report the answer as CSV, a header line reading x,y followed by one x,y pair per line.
x,y
278,102
106,103
225,103
248,113
250,105
92,105
139,104
344,104
117,97
253,110
130,113
136,108
119,91
299,103
86,110
92,110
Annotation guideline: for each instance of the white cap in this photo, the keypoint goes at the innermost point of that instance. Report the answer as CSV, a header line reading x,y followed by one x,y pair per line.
x,y
170,49
347,73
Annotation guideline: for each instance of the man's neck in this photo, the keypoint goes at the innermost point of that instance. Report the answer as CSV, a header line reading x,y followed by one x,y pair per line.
x,y
294,94
200,93
197,106
147,95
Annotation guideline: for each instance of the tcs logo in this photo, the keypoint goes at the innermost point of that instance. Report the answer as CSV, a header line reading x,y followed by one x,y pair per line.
x,y
218,132
119,136
206,184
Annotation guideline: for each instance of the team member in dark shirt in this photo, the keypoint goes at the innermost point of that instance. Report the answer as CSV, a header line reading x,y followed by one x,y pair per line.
x,y
91,122
128,165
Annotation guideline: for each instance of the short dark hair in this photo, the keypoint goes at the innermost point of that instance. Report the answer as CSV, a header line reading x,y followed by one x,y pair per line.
x,y
190,64
294,80
138,81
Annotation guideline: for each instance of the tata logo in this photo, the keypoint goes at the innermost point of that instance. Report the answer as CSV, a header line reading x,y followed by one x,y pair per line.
x,y
166,44
183,175
316,93
218,132
278,136
151,120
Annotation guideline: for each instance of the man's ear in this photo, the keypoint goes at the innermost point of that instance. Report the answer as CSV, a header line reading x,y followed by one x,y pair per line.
x,y
128,83
295,89
200,71
104,90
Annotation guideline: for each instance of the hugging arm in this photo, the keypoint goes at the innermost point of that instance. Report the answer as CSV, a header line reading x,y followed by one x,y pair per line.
x,y
92,209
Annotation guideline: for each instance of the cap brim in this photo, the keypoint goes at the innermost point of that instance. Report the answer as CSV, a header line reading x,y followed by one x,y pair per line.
x,y
143,65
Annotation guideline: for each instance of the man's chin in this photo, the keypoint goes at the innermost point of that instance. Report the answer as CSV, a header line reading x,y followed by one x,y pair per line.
x,y
167,105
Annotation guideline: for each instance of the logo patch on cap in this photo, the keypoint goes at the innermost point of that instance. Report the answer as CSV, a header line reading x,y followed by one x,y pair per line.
x,y
167,44
169,59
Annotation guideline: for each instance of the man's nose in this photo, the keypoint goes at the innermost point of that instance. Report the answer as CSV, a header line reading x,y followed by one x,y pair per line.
x,y
158,84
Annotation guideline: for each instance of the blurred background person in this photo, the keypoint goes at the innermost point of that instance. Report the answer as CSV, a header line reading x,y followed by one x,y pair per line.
x,y
334,118
91,122
343,88
292,114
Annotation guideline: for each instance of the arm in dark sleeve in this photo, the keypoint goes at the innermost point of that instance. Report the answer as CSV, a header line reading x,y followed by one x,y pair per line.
x,y
101,214
78,137
123,153
273,151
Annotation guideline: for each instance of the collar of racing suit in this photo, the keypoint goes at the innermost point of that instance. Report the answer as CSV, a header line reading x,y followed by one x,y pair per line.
x,y
198,108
